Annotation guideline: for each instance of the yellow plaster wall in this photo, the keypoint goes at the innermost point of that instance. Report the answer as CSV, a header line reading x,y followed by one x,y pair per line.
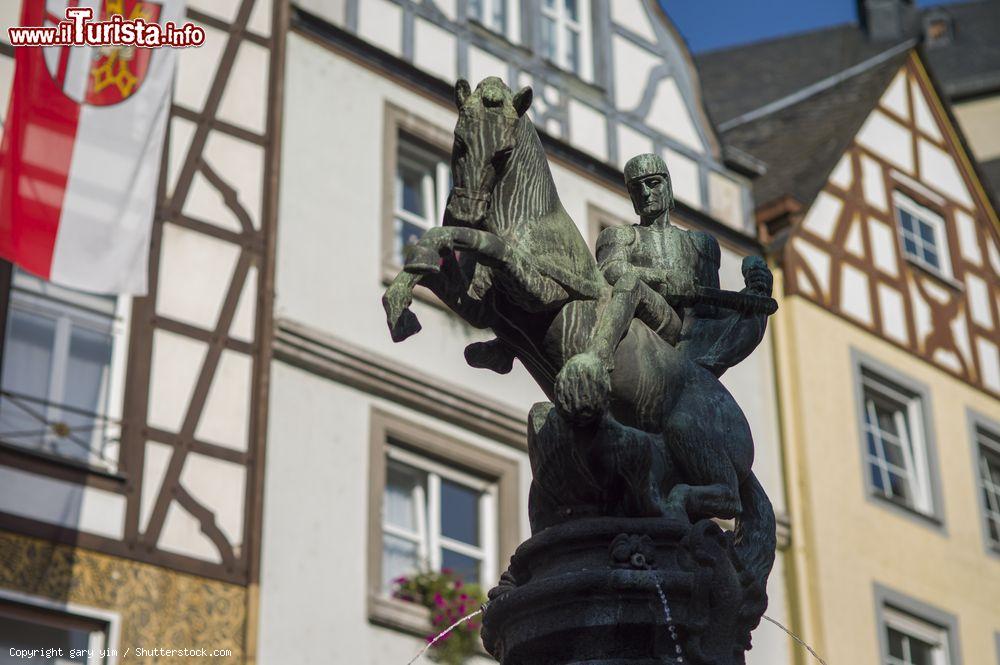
x,y
159,608
844,542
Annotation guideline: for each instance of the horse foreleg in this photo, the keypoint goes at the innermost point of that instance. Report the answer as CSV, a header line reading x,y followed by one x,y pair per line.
x,y
396,302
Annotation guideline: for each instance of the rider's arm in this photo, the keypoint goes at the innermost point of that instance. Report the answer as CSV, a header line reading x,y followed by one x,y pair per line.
x,y
710,259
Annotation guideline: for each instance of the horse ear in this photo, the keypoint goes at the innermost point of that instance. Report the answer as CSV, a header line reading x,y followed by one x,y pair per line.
x,y
462,92
522,100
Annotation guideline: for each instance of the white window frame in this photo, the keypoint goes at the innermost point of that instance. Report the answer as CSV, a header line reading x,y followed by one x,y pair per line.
x,y
912,627
107,640
428,536
564,23
913,441
990,492
435,185
34,295
902,202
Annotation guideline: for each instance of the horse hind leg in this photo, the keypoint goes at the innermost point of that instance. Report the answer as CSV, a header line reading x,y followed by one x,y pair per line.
x,y
710,486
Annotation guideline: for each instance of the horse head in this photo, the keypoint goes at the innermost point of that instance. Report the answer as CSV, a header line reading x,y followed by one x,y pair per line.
x,y
484,142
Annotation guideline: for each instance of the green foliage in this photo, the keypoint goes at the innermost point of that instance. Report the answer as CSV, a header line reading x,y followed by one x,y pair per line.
x,y
449,599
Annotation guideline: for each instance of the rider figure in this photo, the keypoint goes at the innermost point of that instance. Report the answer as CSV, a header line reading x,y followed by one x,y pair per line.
x,y
674,262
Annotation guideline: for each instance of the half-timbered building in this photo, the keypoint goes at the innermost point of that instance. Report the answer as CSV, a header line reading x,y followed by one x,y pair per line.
x,y
888,357
132,429
385,458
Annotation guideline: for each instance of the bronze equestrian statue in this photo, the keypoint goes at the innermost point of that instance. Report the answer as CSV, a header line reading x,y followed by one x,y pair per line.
x,y
641,444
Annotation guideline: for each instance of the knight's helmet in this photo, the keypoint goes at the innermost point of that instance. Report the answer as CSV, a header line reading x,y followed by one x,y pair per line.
x,y
649,164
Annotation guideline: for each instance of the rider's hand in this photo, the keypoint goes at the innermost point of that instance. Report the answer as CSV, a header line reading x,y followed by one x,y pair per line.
x,y
757,275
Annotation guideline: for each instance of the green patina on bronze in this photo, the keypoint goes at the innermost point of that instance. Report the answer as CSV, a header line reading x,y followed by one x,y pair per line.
x,y
628,345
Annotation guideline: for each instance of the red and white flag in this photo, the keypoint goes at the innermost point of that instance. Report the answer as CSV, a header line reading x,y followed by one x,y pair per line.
x,y
81,151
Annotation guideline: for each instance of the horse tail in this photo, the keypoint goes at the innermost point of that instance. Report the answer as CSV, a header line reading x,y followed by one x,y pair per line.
x,y
755,531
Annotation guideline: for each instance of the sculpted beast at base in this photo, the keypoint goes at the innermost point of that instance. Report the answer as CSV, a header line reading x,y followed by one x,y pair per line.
x,y
641,444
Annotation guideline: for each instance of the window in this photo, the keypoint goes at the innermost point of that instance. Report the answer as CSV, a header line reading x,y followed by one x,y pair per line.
x,y
491,13
63,363
911,641
423,180
988,458
894,438
27,627
435,502
436,517
565,37
923,235
937,28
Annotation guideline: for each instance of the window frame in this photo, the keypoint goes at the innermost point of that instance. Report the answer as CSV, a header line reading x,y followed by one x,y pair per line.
x,y
63,615
489,15
903,201
584,31
921,409
429,537
391,431
902,613
69,314
433,138
983,432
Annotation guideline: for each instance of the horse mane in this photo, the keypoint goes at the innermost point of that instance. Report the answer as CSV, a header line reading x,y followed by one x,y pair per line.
x,y
525,191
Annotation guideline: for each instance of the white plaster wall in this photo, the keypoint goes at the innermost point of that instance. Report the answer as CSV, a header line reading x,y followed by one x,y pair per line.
x,y
329,271
888,139
62,503
632,14
979,120
381,23
895,98
333,11
434,50
632,66
314,580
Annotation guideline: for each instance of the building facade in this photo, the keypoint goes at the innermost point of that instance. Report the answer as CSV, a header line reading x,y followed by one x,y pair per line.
x,y
132,429
376,450
887,355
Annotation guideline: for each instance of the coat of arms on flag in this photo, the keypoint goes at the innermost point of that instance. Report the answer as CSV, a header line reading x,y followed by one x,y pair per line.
x,y
116,72
82,142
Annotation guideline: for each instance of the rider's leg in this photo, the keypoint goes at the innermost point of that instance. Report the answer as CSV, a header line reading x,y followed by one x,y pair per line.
x,y
631,298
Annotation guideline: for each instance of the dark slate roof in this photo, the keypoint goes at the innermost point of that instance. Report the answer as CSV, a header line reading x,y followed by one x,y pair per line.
x,y
802,142
741,79
970,64
990,173
738,80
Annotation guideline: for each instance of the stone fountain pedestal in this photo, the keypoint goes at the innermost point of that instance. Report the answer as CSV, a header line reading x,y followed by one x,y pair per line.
x,y
586,592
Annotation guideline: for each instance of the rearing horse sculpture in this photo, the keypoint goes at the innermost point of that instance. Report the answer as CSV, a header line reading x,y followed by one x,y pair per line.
x,y
509,258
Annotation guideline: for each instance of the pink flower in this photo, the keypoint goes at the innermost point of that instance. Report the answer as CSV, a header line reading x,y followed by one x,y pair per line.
x,y
458,584
439,599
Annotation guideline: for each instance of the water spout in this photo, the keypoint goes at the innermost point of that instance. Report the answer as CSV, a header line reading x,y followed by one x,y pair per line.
x,y
444,632
670,623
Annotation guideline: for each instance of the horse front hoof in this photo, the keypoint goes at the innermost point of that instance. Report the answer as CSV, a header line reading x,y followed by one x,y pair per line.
x,y
405,326
582,390
421,260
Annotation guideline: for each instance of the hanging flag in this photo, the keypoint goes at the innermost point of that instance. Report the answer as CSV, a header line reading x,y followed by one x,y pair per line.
x,y
81,149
